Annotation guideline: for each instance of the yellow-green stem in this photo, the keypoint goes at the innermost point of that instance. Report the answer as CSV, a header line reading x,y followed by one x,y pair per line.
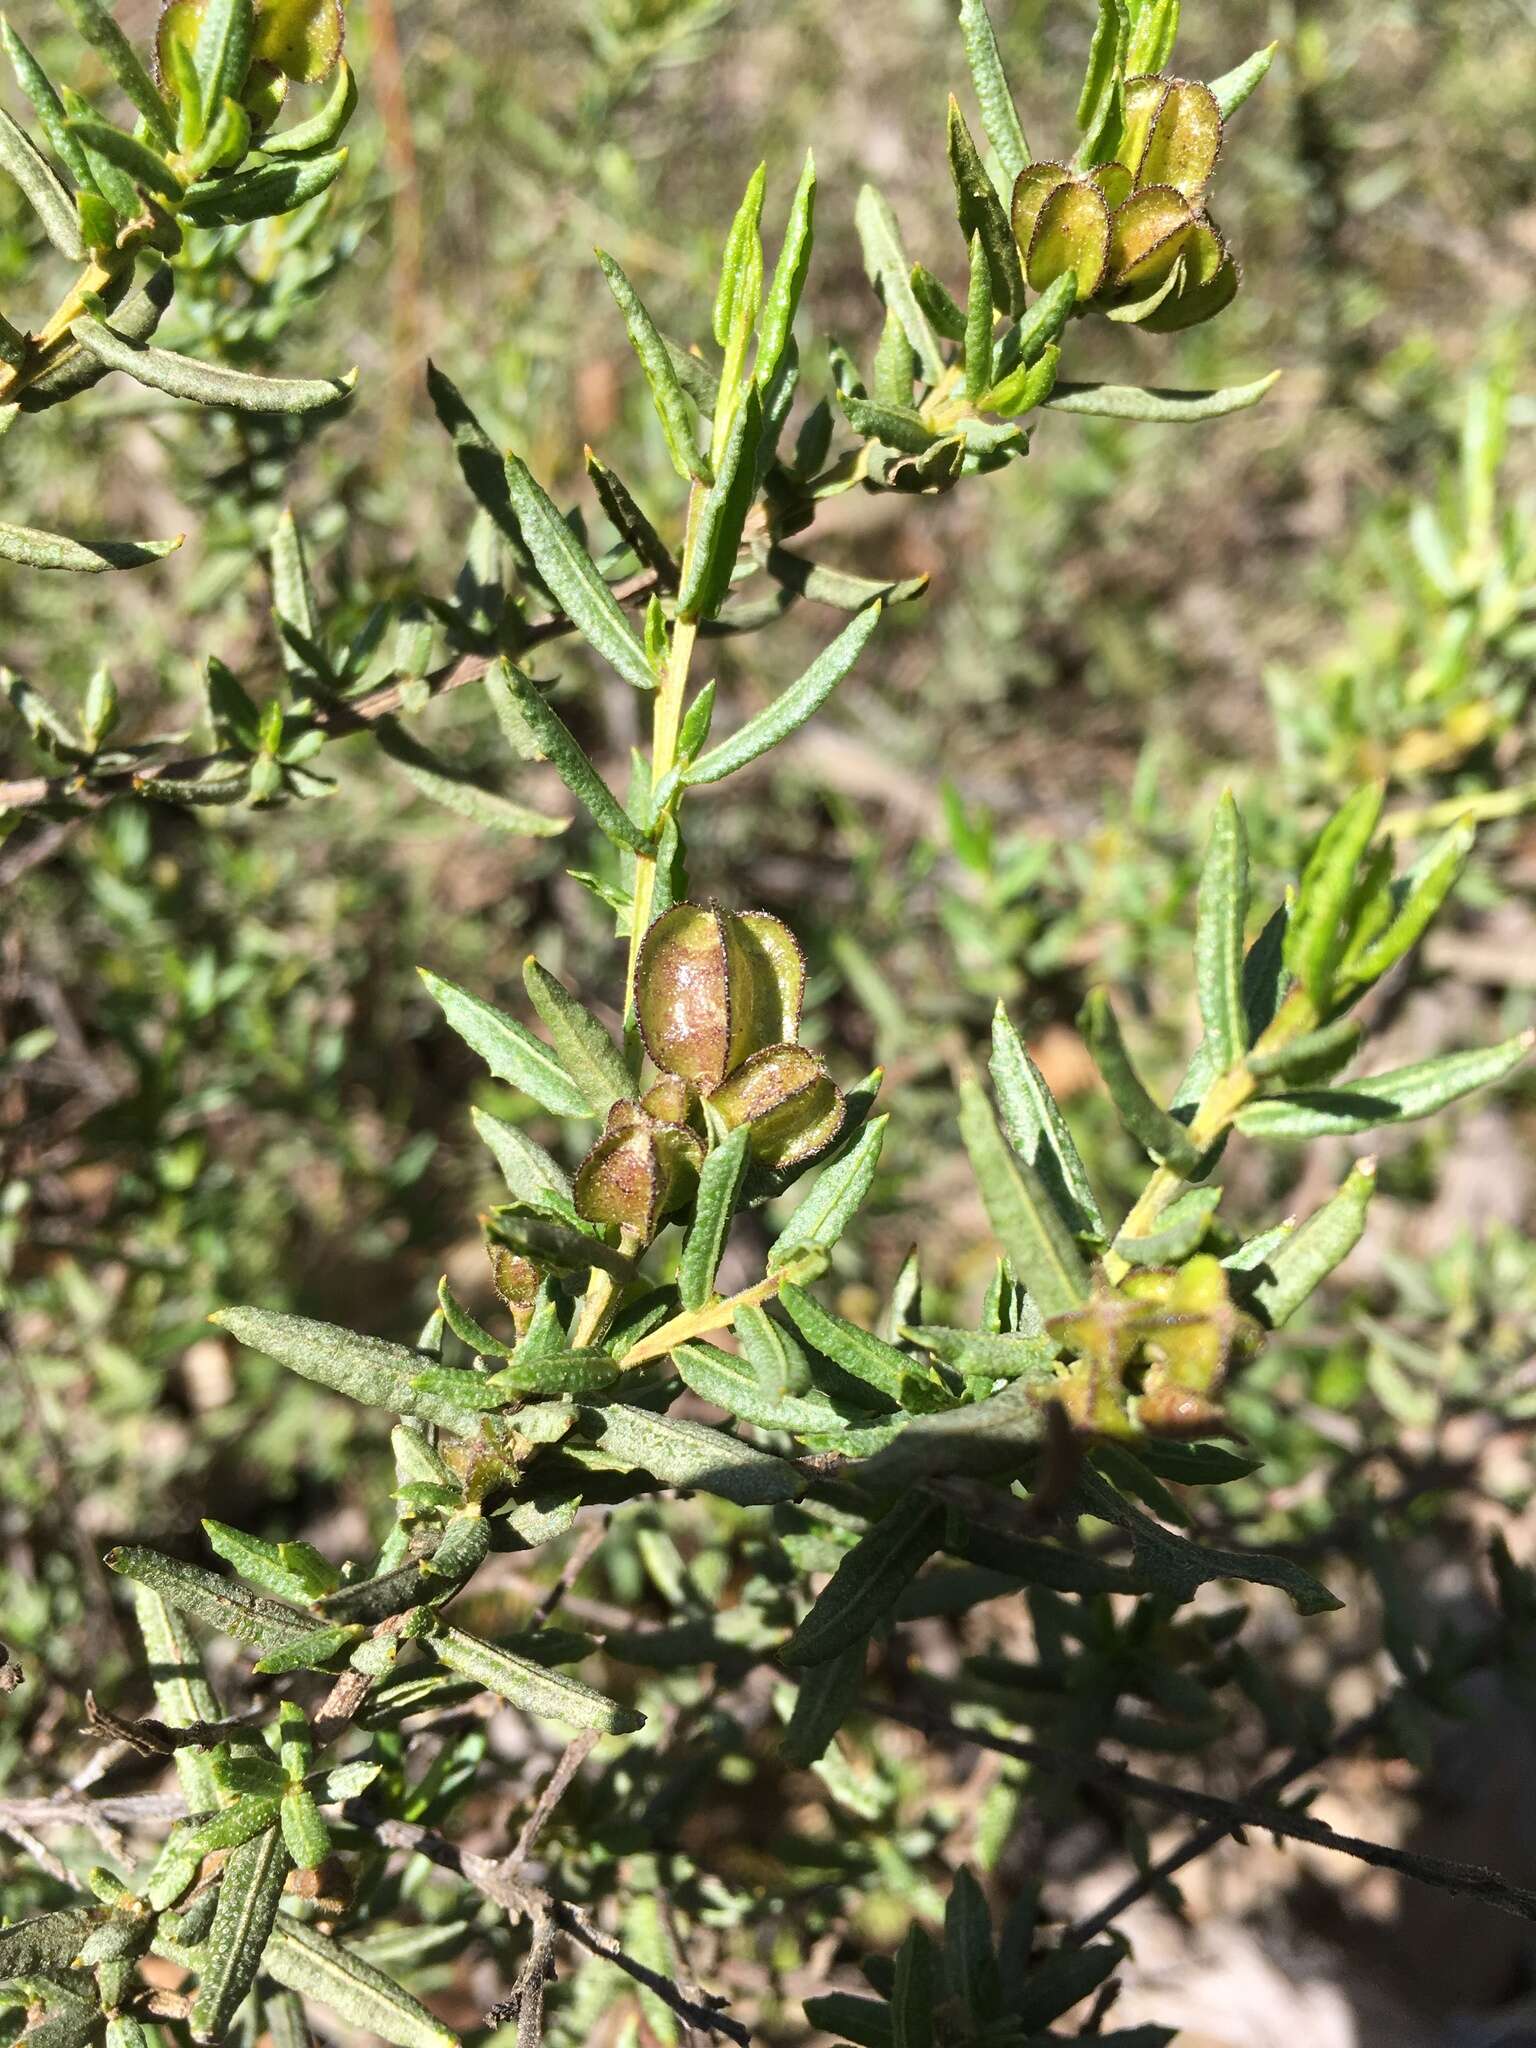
x,y
718,1314
1221,1102
666,719
96,277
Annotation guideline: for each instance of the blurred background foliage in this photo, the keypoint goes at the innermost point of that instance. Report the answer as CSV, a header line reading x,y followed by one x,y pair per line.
x,y
219,1077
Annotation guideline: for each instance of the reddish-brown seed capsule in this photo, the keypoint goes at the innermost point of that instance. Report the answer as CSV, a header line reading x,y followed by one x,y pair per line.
x,y
792,1103
638,1171
713,987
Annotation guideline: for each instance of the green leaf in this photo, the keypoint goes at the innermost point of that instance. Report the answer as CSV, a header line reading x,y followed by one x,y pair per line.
x,y
1035,1237
585,1050
978,324
999,115
318,1967
912,1991
46,1943
828,1693
1223,911
1297,1266
983,1354
467,1330
1038,1131
982,218
1393,1098
1180,1229
1319,930
1168,408
136,158
1101,104
970,1966
365,1369
707,573
530,1687
261,195
890,272
996,1435
46,196
868,1582
37,86
94,21
741,266
205,384
896,426
892,1373
1154,31
558,745
1058,1982
305,1835
243,1921
720,1181
317,1651
460,793
182,1692
260,1563
511,1052
1233,87
789,711
221,55
227,1605
776,329
586,1371
573,577
322,128
688,1454
630,522
1172,1565
1422,892
527,1168
841,2015
666,392
1148,1123
716,1376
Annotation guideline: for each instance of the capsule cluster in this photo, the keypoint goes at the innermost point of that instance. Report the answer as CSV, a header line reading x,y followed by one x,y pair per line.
x,y
293,41
1134,230
718,995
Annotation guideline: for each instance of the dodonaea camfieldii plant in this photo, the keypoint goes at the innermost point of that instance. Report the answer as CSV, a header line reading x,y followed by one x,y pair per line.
x,y
830,1482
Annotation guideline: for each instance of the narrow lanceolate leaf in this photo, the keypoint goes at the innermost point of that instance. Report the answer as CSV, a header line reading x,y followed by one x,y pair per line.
x,y
829,1691
1377,1099
45,1943
627,519
261,1563
1100,107
983,219
679,1453
34,549
739,293
362,1997
585,1050
242,1922
707,575
224,1603
1181,1227
1235,86
978,324
868,1582
1153,35
999,115
1317,935
574,579
531,1687
1298,1265
1035,1237
1223,910
462,794
322,128
221,55
719,1186
46,104
1038,1131
790,710
997,1435
365,1369
511,1052
141,163
94,20
527,1168
716,1376
833,1201
892,1373
317,1651
559,746
891,273
258,195
1423,891
1166,408
666,392
203,383
182,1693
1148,1123
789,274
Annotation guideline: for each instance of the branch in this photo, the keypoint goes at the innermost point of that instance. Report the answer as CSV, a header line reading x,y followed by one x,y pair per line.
x,y
336,718
531,1901
1465,1880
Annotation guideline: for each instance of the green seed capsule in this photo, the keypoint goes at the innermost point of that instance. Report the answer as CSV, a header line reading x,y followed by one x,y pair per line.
x,y
794,1107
